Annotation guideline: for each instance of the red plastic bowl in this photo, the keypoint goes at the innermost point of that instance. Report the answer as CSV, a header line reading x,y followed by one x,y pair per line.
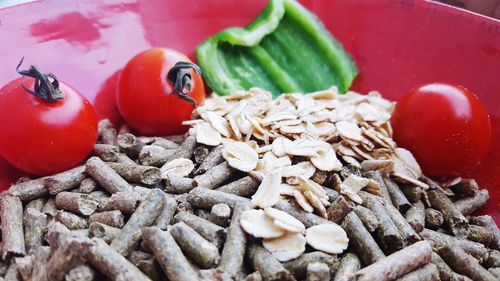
x,y
397,44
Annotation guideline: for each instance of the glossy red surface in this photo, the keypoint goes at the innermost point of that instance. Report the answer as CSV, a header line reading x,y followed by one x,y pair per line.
x,y
147,101
397,44
45,137
454,122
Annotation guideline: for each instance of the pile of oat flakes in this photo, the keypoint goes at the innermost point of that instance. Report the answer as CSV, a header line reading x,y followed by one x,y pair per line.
x,y
285,142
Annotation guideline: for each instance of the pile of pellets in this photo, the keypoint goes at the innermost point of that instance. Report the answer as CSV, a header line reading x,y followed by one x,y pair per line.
x,y
209,205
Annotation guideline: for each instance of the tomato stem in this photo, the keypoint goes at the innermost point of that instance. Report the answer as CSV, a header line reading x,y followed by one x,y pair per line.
x,y
44,88
180,76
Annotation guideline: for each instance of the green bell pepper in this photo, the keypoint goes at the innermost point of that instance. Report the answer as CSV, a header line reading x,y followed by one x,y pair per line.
x,y
285,49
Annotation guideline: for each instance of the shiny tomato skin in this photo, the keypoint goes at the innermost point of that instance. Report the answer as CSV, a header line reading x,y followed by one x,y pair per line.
x,y
146,99
445,126
42,138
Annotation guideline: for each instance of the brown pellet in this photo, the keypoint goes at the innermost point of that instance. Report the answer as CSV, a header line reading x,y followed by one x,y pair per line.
x,y
463,263
11,216
144,216
178,185
298,266
349,169
66,257
452,216
291,207
466,187
57,234
106,176
415,216
103,231
213,159
50,207
495,272
130,145
427,272
398,263
137,173
215,176
126,202
81,233
475,249
433,218
29,190
87,186
407,232
331,194
123,158
178,139
3,268
143,191
318,272
147,264
245,187
338,209
66,180
488,222
349,265
112,264
231,261
81,273
40,258
398,198
36,204
167,213
152,155
35,223
210,231
220,214
184,207
163,142
107,152
205,198
70,220
369,220
255,276
204,214
168,254
112,218
99,196
320,177
185,150
200,153
493,259
470,204
445,272
196,248
24,266
377,176
362,242
412,192
388,232
77,203
268,266
106,132
12,273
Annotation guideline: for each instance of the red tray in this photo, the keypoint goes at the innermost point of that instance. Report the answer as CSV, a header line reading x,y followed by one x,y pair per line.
x,y
396,44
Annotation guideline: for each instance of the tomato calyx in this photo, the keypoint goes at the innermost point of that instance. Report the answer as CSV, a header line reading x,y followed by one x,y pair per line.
x,y
44,88
180,76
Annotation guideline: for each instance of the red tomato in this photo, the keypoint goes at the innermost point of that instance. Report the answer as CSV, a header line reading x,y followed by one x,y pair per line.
x,y
41,136
146,97
445,126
